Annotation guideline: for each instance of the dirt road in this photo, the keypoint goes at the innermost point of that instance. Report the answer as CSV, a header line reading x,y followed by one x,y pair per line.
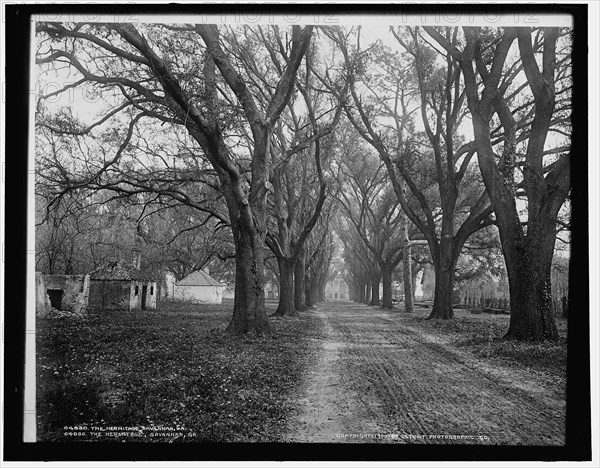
x,y
378,380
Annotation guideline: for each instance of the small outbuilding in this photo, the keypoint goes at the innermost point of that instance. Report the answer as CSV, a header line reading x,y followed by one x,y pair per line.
x,y
199,287
119,286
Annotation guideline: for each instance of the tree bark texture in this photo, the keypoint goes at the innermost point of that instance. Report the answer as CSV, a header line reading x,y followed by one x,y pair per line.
x,y
286,289
442,300
249,313
374,291
529,273
299,282
386,277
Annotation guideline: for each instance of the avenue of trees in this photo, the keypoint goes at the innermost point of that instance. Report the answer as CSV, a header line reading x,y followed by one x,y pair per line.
x,y
270,151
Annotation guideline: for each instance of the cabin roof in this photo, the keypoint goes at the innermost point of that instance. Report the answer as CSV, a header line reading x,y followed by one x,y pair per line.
x,y
118,271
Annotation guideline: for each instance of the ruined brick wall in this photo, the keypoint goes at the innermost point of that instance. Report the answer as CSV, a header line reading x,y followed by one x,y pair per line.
x,y
73,291
144,289
151,296
121,295
42,301
110,295
135,295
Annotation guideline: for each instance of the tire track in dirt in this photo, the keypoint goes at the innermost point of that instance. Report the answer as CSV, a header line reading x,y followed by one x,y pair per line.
x,y
375,375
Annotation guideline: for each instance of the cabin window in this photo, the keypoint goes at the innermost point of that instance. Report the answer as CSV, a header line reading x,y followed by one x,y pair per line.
x,y
137,290
152,290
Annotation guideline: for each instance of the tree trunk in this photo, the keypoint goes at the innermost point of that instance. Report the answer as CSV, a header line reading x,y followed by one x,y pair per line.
x,y
355,290
308,292
286,288
368,291
414,286
408,281
444,284
407,278
321,294
249,313
444,279
565,307
299,282
386,273
314,289
442,301
529,273
374,291
360,292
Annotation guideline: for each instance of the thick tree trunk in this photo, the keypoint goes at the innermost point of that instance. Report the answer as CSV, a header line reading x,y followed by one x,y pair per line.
x,y
442,300
565,307
368,291
249,313
444,284
374,291
529,273
299,282
286,289
386,276
444,279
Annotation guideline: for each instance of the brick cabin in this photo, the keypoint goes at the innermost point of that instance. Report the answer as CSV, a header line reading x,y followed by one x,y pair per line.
x,y
120,286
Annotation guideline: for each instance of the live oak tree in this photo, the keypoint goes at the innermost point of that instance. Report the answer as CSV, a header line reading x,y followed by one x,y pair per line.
x,y
169,74
319,250
292,185
525,102
384,102
361,265
372,209
299,188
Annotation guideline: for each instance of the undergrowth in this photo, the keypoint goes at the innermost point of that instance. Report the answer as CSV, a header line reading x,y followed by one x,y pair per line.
x,y
169,375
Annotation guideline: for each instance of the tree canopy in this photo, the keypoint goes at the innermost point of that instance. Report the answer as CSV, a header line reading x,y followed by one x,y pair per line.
x,y
232,144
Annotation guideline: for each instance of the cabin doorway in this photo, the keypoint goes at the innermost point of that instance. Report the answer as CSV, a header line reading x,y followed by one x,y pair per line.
x,y
144,294
56,296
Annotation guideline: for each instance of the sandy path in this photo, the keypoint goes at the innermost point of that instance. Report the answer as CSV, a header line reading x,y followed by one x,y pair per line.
x,y
377,380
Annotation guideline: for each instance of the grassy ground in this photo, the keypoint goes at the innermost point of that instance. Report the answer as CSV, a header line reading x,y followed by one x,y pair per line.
x,y
481,335
168,375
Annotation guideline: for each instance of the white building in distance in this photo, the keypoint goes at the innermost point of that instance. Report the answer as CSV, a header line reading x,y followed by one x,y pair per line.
x,y
199,287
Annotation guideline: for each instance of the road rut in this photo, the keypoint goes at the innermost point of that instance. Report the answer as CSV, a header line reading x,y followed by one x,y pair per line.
x,y
377,380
